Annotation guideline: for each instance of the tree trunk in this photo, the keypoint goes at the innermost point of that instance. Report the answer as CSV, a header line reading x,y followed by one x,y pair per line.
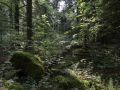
x,y
29,46
29,20
17,14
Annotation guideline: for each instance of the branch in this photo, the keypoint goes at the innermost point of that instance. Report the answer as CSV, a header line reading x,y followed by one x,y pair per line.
x,y
22,6
5,4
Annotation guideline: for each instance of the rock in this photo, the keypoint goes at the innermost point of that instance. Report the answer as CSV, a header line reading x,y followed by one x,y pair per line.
x,y
69,80
28,64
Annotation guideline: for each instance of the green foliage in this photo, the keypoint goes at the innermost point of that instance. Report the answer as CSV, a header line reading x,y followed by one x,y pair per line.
x,y
6,70
70,80
108,18
10,85
68,83
110,85
28,64
87,24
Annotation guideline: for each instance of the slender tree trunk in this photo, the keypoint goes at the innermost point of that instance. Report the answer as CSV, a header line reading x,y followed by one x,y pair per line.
x,y
29,20
29,46
78,13
17,14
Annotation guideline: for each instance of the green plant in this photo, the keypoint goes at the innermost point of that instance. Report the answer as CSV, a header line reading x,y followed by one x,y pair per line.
x,y
10,85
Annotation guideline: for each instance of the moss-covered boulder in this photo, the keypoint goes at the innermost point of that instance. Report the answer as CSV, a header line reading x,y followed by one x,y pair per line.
x,y
69,80
28,65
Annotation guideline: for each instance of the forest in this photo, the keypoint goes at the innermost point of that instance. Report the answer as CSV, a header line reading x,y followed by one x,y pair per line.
x,y
59,44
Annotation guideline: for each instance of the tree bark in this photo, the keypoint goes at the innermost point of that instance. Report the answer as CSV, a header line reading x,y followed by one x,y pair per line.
x,y
29,46
29,20
17,14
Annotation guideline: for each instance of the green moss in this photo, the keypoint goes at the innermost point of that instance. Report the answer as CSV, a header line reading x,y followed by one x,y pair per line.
x,y
69,81
28,64
15,87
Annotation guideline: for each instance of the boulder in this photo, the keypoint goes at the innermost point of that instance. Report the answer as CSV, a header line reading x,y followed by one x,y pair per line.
x,y
28,65
69,80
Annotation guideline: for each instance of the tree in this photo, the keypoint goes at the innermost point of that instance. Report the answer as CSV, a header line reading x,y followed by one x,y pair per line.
x,y
16,15
109,19
87,21
29,23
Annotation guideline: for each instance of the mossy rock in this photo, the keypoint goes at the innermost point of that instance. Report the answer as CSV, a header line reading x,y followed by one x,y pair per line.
x,y
28,64
69,81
